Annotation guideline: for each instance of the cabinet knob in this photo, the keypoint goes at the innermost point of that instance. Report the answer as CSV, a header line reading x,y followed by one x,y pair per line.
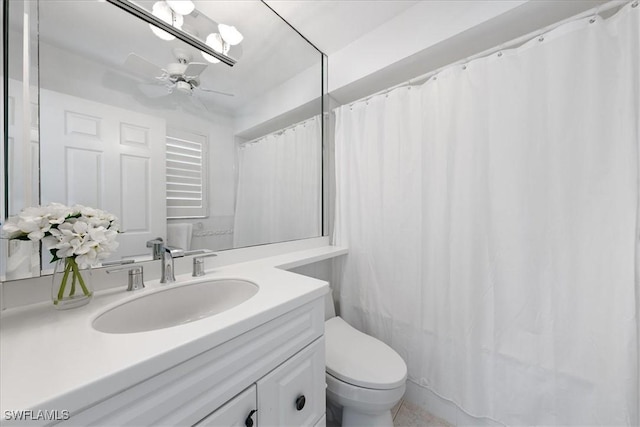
x,y
300,401
249,421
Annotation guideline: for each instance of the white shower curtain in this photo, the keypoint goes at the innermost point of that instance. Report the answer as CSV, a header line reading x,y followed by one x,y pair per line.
x,y
279,186
490,216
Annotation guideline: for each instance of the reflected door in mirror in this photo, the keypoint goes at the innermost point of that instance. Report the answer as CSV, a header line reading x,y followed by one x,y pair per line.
x,y
106,157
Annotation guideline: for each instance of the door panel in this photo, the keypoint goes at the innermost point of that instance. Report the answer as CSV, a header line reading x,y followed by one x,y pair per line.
x,y
108,158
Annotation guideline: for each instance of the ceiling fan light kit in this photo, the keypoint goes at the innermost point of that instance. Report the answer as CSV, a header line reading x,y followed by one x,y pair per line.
x,y
184,87
181,77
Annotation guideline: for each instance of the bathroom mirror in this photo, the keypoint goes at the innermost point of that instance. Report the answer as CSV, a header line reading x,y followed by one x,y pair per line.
x,y
177,145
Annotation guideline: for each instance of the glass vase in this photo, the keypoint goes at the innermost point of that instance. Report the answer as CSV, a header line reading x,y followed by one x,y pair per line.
x,y
71,285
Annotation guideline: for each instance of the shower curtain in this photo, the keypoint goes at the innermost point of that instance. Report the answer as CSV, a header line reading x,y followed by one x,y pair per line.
x,y
491,220
279,186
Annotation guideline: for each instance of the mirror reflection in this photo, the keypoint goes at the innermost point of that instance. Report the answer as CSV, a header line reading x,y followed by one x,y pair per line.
x,y
179,146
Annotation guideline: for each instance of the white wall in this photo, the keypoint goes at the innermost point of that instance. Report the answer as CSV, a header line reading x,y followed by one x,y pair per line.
x,y
295,100
419,27
433,34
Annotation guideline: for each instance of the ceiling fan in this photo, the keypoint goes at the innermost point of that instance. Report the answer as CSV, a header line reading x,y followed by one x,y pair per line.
x,y
182,76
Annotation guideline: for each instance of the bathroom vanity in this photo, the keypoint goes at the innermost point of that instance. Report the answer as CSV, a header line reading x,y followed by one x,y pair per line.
x,y
260,363
276,369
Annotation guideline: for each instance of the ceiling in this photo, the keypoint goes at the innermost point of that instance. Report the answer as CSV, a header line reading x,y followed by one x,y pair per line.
x,y
271,52
348,20
102,32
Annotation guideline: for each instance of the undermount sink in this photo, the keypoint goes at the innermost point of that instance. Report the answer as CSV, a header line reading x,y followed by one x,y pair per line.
x,y
175,306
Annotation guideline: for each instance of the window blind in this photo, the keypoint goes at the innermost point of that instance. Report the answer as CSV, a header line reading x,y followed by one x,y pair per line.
x,y
186,175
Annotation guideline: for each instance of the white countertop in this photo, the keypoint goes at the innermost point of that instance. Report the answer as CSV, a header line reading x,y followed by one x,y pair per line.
x,y
52,359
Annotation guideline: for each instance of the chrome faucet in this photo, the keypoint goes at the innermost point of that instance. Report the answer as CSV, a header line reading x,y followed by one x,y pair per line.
x,y
167,273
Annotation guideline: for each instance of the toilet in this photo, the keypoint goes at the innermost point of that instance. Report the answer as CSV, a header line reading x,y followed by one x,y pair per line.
x,y
364,376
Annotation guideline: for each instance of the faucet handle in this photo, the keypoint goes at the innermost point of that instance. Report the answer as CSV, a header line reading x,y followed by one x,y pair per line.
x,y
156,241
157,245
198,264
136,276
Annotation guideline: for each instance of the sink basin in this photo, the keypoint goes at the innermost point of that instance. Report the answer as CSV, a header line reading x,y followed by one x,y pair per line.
x,y
175,306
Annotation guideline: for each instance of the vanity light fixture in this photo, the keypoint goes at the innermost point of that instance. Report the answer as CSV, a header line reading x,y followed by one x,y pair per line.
x,y
215,41
182,7
230,34
174,31
161,10
222,41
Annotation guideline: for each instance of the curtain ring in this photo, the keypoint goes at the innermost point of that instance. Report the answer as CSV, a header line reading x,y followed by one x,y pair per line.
x,y
499,54
464,67
634,4
592,20
541,38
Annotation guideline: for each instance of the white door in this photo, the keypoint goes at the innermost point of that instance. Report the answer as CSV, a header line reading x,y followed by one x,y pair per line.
x,y
105,157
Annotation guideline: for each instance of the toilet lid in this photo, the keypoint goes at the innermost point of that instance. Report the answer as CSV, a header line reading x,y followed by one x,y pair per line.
x,y
361,360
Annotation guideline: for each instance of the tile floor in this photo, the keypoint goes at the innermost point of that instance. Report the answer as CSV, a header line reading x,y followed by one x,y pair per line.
x,y
406,414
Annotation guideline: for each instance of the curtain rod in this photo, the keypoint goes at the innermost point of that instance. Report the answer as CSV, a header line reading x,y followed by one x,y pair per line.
x,y
278,132
507,45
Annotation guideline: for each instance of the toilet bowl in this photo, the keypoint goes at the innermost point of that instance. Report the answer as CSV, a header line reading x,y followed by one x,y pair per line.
x,y
364,376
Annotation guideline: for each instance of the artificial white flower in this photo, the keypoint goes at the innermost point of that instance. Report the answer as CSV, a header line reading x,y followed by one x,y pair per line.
x,y
84,233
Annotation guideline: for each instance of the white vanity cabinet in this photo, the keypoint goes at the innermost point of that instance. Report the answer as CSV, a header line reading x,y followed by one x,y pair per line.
x,y
288,396
238,412
268,369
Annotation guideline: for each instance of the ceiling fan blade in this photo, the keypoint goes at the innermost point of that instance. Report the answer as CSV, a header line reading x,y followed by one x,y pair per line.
x,y
216,91
138,65
153,91
194,69
198,103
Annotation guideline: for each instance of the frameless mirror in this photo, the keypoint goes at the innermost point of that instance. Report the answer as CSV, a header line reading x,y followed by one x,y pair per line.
x,y
20,154
173,142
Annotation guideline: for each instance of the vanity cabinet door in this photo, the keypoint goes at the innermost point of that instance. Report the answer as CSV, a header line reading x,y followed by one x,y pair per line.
x,y
238,412
293,394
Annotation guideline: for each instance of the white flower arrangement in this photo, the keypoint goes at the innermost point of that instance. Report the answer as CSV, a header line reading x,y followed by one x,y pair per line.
x,y
88,235
79,235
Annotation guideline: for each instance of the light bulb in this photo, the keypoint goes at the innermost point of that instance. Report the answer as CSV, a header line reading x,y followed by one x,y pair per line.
x,y
182,7
230,34
215,42
162,11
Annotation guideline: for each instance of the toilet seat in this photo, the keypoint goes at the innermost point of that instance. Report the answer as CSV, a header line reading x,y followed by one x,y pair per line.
x,y
361,360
